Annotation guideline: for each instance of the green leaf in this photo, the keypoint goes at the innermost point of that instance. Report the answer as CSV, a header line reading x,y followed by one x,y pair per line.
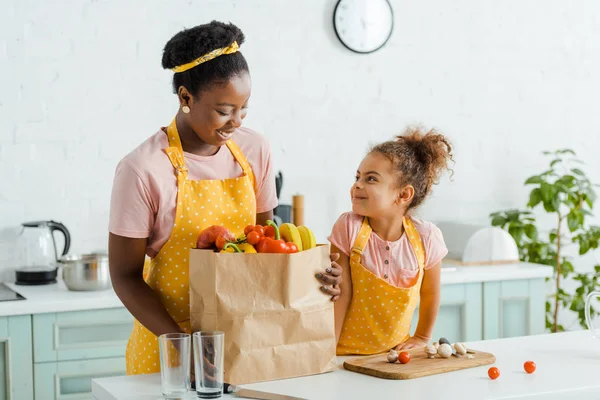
x,y
573,220
534,179
584,246
566,269
535,197
547,191
498,220
590,197
531,231
567,180
597,269
577,171
577,305
555,161
566,151
517,233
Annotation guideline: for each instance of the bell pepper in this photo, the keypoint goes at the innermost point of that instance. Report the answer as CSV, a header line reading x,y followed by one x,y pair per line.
x,y
247,248
269,245
241,248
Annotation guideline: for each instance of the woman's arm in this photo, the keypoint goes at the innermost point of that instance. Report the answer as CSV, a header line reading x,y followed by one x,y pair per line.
x,y
126,260
345,297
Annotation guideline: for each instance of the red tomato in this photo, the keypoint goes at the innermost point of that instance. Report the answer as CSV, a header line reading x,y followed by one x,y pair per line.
x,y
404,357
248,229
270,232
253,238
529,367
493,373
260,230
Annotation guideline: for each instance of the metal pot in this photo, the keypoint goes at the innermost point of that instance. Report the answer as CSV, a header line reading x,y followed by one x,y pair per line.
x,y
86,272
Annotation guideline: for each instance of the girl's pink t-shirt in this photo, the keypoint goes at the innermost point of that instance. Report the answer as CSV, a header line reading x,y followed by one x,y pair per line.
x,y
393,261
144,192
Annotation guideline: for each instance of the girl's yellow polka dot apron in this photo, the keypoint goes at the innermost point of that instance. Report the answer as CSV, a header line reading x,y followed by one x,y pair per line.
x,y
200,204
380,314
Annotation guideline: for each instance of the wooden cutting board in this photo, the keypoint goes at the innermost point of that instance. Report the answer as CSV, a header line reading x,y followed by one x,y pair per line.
x,y
418,366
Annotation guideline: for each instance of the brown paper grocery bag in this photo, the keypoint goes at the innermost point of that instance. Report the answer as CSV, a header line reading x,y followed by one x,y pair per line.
x,y
277,322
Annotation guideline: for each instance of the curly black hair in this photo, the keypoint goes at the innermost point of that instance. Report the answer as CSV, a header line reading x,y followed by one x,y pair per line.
x,y
192,43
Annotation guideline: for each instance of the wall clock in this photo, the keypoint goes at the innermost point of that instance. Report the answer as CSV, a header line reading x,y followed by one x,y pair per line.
x,y
363,26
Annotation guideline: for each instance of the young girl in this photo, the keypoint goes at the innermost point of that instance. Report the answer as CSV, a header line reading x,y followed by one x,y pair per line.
x,y
389,259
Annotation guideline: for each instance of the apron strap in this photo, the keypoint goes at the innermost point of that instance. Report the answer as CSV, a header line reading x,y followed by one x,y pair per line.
x,y
409,228
361,241
243,161
175,154
175,151
415,241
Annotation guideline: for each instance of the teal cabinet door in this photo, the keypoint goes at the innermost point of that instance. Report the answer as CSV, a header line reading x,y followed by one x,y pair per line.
x,y
514,308
81,335
72,380
16,365
459,317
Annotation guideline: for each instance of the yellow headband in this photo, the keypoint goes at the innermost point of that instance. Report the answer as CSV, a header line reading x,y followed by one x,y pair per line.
x,y
232,48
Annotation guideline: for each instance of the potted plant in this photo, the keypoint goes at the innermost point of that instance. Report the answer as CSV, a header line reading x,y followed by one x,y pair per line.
x,y
565,192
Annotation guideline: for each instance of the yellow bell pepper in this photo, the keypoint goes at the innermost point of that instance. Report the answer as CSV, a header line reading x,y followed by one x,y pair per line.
x,y
247,248
238,248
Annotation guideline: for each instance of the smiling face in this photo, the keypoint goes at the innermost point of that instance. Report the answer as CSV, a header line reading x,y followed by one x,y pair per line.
x,y
216,113
376,192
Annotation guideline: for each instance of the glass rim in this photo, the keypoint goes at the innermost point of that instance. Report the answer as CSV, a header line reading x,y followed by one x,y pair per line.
x,y
174,336
208,333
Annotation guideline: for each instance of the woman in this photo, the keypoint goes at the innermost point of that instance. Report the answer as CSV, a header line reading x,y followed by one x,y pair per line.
x,y
202,170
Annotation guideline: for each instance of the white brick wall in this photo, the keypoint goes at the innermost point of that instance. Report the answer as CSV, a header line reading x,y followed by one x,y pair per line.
x,y
82,86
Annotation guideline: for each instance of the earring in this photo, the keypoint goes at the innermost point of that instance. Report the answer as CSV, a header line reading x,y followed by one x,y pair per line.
x,y
185,109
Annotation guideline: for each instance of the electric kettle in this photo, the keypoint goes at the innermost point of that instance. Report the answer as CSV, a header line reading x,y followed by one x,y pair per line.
x,y
36,252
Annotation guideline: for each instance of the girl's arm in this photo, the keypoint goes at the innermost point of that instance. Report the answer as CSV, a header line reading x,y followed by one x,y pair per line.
x,y
430,303
342,304
428,309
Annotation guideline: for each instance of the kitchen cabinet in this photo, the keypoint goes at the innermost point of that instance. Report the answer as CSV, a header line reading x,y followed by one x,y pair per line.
x,y
16,365
460,313
72,348
489,310
513,308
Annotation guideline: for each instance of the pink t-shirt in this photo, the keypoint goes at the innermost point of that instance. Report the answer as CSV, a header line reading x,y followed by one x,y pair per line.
x,y
144,191
402,266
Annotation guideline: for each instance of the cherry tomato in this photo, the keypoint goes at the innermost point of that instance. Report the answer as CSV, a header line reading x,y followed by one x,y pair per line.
x,y
404,357
493,373
253,238
260,230
529,367
270,232
248,229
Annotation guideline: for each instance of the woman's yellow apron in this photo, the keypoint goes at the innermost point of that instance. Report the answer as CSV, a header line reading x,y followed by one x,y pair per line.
x,y
228,202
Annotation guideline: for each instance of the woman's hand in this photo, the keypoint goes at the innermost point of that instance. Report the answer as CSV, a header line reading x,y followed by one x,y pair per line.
x,y
332,277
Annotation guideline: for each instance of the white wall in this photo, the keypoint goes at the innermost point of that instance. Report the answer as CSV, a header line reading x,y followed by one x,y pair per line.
x,y
81,85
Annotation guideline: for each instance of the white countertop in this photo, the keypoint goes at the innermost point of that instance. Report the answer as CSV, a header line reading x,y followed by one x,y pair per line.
x,y
452,274
56,298
567,368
